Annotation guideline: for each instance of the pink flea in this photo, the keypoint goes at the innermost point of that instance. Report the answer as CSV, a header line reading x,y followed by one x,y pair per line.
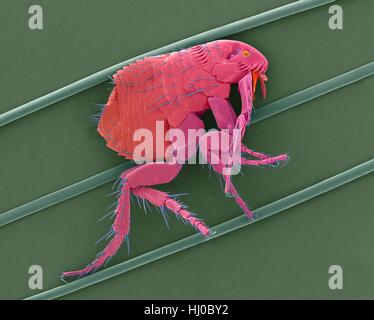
x,y
177,88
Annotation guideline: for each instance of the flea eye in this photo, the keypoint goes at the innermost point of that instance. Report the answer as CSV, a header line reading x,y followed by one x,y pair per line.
x,y
246,53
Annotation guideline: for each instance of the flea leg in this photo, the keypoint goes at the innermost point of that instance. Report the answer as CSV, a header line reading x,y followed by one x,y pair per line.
x,y
163,200
132,179
137,181
214,157
119,231
253,153
245,90
151,174
223,112
260,155
230,190
265,161
225,117
224,161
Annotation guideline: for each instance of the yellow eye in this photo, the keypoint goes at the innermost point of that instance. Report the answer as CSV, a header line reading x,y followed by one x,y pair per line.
x,y
246,53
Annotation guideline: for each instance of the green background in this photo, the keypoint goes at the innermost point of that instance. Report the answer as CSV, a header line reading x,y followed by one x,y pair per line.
x,y
287,256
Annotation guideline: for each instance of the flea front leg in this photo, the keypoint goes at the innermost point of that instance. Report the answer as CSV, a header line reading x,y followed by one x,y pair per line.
x,y
221,163
223,112
258,155
227,121
245,90
244,119
265,161
225,117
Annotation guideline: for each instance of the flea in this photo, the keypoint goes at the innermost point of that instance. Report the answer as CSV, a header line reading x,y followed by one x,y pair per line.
x,y
175,89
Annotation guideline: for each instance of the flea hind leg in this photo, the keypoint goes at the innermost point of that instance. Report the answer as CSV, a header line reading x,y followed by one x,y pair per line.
x,y
119,232
138,181
131,180
163,200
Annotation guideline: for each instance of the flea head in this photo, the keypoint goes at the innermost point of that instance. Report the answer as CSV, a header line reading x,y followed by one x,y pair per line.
x,y
237,60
